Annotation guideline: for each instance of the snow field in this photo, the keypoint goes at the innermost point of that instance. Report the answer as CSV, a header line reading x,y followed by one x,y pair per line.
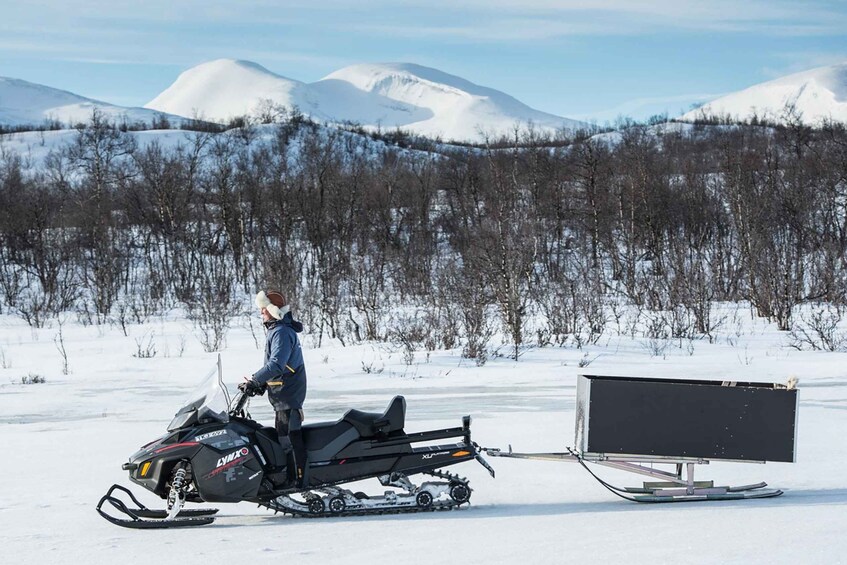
x,y
66,439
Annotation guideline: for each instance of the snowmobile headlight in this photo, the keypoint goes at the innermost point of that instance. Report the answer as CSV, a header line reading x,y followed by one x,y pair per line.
x,y
144,468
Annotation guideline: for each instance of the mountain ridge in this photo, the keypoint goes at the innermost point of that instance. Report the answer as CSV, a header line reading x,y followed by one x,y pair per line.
x,y
815,95
419,99
25,103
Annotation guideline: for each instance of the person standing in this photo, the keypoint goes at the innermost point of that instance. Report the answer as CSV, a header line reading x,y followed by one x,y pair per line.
x,y
283,374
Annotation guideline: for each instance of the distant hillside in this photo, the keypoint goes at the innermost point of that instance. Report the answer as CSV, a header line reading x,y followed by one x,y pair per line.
x,y
816,95
387,96
28,103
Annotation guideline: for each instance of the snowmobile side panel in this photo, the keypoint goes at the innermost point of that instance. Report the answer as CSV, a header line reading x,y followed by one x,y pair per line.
x,y
227,476
369,448
275,455
329,447
433,435
425,459
345,470
408,461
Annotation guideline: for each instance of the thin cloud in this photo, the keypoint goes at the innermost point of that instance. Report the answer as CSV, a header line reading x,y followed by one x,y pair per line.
x,y
471,19
290,57
17,47
540,20
517,29
799,61
707,13
98,61
651,105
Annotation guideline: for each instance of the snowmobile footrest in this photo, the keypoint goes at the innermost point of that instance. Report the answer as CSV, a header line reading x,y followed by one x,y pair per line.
x,y
142,517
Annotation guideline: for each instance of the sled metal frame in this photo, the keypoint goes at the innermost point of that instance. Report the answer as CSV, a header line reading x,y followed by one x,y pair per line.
x,y
672,486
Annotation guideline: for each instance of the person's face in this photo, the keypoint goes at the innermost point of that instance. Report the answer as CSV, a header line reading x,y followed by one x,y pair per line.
x,y
266,316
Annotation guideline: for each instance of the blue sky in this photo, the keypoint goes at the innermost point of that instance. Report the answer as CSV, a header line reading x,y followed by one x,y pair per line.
x,y
575,58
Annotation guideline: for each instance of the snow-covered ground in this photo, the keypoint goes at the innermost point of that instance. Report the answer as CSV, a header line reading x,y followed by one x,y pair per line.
x,y
33,147
64,442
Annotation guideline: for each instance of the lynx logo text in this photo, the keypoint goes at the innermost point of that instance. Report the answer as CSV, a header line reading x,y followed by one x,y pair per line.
x,y
232,456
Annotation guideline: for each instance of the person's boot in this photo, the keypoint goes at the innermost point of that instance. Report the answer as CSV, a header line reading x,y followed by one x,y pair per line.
x,y
300,464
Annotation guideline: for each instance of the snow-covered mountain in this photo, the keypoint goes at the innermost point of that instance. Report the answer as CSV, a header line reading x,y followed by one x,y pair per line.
x,y
459,108
225,88
28,103
389,95
816,94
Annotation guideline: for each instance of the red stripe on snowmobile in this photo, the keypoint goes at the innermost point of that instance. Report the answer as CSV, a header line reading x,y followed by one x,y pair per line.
x,y
174,446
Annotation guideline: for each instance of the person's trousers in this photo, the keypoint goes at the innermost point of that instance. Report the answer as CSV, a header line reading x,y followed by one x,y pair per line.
x,y
288,423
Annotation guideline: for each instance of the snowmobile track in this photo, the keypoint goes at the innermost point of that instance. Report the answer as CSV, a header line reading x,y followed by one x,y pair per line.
x,y
407,508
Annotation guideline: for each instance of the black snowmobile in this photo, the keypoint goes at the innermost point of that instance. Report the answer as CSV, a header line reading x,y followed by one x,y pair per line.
x,y
215,452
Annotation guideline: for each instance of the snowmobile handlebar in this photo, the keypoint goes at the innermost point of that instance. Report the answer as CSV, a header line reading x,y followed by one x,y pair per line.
x,y
239,404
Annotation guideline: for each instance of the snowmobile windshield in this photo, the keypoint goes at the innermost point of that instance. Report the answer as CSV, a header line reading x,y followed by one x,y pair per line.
x,y
209,402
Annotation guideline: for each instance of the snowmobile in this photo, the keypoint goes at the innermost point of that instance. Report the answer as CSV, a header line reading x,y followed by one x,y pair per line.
x,y
215,452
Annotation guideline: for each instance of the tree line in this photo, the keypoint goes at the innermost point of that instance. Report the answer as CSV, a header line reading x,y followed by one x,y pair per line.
x,y
542,239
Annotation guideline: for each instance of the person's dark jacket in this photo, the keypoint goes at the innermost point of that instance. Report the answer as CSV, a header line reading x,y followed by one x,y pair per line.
x,y
284,372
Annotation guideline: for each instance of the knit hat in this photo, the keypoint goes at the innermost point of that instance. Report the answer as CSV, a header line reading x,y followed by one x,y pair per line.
x,y
274,302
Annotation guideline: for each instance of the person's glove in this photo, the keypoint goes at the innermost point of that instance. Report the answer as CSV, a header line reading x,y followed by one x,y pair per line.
x,y
251,388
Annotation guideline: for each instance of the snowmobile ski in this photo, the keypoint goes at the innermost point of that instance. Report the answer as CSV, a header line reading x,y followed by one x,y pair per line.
x,y
142,517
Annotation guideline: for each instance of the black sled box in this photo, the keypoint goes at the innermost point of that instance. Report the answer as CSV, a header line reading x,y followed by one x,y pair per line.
x,y
686,419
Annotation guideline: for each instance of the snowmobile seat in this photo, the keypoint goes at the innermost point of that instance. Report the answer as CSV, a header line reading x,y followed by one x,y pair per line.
x,y
370,424
323,440
319,436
